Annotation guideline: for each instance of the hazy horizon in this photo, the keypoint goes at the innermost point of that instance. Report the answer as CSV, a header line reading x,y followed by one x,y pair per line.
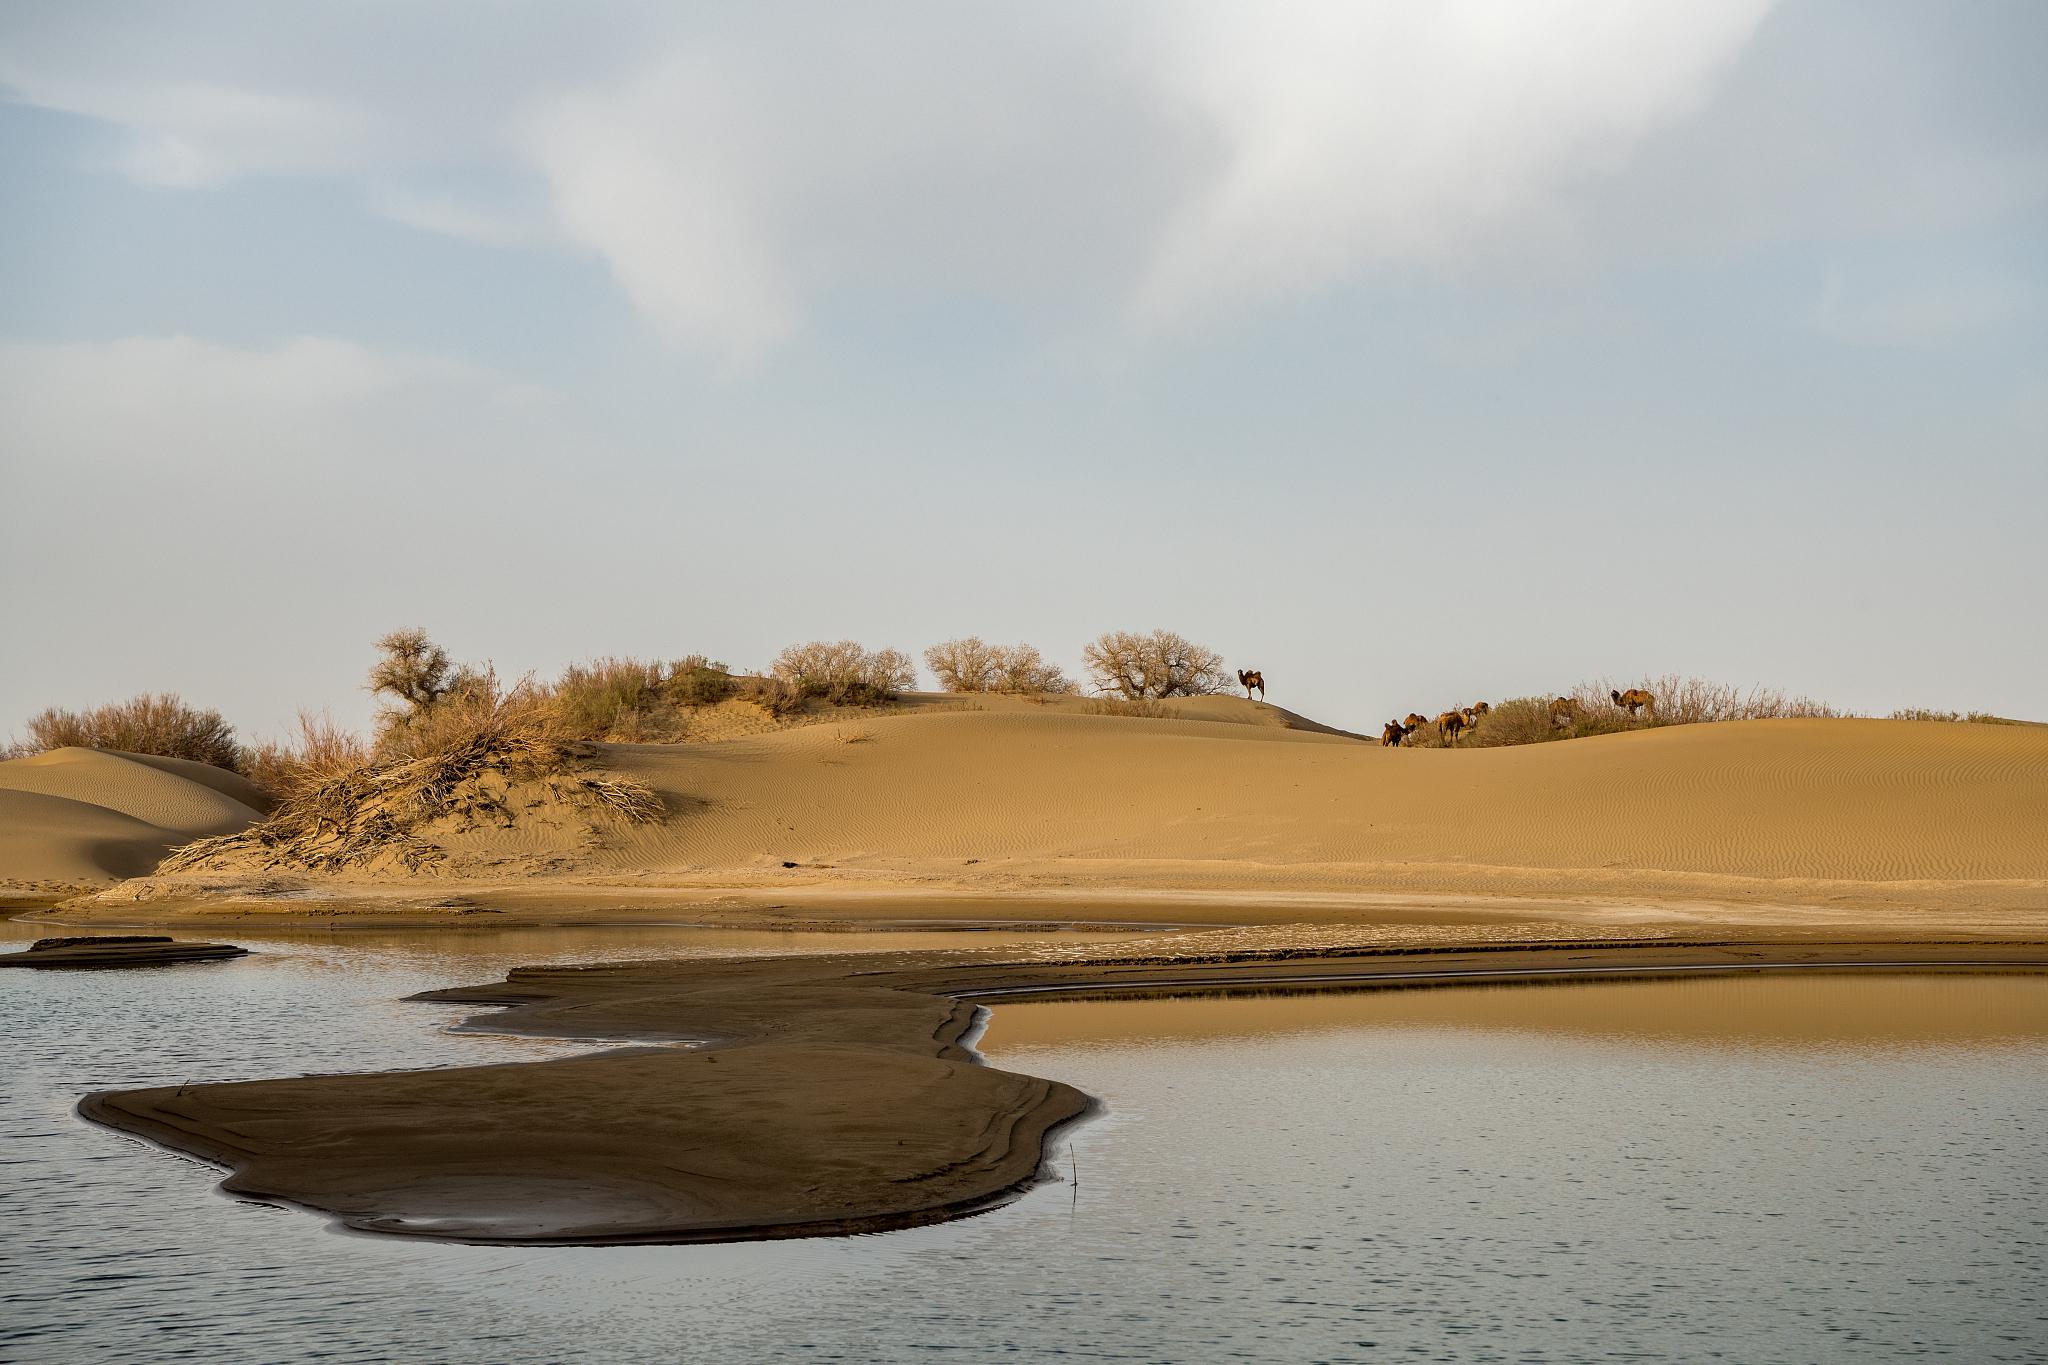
x,y
1411,355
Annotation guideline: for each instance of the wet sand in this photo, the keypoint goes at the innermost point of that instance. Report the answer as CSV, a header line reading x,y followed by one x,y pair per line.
x,y
827,1094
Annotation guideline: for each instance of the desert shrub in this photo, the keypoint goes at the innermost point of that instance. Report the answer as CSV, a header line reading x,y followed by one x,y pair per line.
x,y
1955,717
845,673
1519,720
158,723
695,680
1127,706
1680,701
779,697
412,669
1696,701
320,752
623,700
457,758
1150,667
971,666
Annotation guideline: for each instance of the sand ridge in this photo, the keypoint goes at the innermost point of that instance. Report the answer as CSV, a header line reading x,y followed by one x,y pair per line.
x,y
1841,800
84,815
1226,811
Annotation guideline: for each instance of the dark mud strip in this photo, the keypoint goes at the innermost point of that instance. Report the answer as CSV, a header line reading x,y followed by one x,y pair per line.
x,y
826,1095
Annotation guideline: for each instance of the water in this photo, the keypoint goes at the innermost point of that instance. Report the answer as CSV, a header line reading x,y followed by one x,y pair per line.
x,y
1798,1168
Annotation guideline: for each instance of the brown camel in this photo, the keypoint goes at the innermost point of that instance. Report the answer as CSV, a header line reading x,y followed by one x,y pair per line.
x,y
1450,723
1479,708
1564,711
1634,700
1414,722
1252,679
1392,735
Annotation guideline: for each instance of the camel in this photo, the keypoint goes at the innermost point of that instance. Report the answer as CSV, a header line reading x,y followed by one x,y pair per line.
x,y
1634,700
1564,711
1414,722
1478,709
1394,733
1252,679
1450,723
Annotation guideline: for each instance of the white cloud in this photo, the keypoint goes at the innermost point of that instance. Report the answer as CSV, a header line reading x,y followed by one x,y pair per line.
x,y
192,134
1353,135
652,177
1169,163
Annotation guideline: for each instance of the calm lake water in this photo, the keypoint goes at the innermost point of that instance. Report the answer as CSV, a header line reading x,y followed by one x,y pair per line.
x,y
1788,1168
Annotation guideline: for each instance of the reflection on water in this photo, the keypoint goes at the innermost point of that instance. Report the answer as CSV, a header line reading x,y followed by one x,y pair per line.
x,y
1856,1011
1795,1168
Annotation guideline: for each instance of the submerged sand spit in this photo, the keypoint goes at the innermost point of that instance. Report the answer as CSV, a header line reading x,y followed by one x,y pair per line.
x,y
832,1094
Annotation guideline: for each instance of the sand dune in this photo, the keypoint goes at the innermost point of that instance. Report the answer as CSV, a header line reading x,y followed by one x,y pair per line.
x,y
1232,812
81,815
1209,802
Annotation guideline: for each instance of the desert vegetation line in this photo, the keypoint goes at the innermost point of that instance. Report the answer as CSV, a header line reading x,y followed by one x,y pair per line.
x,y
624,700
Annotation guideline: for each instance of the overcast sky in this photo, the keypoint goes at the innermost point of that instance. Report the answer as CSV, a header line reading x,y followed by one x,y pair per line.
x,y
1413,353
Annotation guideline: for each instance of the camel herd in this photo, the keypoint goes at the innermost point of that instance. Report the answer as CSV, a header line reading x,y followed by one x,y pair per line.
x,y
1564,711
1449,725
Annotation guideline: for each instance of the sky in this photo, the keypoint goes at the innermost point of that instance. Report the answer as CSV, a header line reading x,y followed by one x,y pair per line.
x,y
1411,354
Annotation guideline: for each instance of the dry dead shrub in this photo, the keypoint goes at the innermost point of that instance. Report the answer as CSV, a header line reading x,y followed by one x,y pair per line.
x,y
779,698
1519,720
156,723
1680,701
1694,701
969,665
623,701
458,758
1128,706
1953,717
1162,664
320,752
845,673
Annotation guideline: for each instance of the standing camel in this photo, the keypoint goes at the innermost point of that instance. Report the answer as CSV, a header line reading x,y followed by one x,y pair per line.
x,y
1564,711
1449,724
1393,734
1252,679
1414,721
1635,700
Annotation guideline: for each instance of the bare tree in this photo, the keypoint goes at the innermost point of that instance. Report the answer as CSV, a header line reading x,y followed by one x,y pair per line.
x,y
969,665
413,669
845,671
1148,667
962,665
